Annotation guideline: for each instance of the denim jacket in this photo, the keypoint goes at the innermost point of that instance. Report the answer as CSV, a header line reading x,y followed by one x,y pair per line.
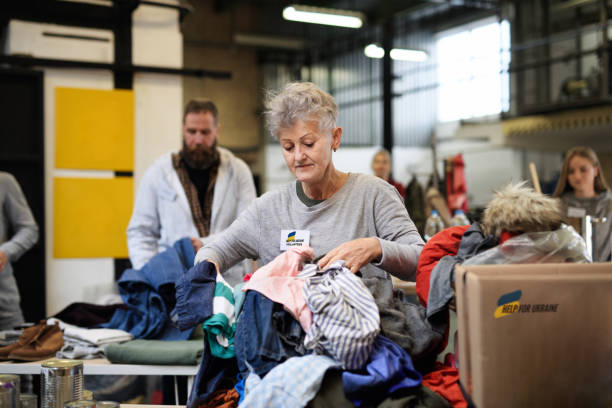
x,y
149,294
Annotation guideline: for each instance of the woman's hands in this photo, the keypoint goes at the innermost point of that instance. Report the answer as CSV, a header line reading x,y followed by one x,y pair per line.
x,y
197,244
356,254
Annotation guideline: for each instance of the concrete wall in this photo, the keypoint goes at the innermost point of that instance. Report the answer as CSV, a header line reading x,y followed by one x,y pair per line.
x,y
209,45
237,98
157,41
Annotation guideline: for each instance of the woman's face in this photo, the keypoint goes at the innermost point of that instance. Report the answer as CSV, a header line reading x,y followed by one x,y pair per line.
x,y
381,166
307,151
581,176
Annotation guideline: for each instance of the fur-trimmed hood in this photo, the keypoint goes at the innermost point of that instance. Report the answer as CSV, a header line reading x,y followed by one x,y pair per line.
x,y
516,208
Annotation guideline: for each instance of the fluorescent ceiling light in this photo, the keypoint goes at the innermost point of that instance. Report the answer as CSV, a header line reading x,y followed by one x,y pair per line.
x,y
402,54
327,16
374,51
398,54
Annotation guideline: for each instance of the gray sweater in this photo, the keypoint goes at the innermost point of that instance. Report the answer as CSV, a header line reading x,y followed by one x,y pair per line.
x,y
16,217
365,206
598,206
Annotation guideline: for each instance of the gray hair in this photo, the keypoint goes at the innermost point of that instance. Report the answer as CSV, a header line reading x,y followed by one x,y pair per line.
x,y
299,101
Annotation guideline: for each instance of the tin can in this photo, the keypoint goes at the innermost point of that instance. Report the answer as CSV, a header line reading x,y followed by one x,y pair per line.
x,y
107,404
28,400
9,390
80,404
61,381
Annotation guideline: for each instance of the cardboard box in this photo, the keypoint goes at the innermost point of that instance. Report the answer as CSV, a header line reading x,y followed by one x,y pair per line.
x,y
535,335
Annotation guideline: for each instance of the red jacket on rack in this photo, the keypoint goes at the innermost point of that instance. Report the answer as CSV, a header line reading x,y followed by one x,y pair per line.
x,y
456,187
445,242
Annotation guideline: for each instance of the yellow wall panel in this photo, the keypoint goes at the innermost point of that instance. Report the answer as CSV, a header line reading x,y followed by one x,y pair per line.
x,y
91,217
94,129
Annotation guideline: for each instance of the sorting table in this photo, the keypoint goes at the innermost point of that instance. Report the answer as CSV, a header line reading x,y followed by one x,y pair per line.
x,y
101,366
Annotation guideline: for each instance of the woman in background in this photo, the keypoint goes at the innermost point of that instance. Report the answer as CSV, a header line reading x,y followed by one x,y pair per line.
x,y
583,191
381,166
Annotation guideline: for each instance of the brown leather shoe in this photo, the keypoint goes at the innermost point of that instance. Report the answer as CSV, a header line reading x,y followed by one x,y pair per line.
x,y
26,337
49,341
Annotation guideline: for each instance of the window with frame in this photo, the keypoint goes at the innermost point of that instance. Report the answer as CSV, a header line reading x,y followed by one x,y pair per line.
x,y
473,76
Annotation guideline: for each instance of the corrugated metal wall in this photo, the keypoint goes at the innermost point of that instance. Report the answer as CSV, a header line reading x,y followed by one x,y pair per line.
x,y
357,89
355,81
415,88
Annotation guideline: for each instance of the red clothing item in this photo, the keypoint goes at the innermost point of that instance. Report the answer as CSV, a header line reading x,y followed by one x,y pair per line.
x,y
445,242
456,186
398,186
222,399
444,381
505,235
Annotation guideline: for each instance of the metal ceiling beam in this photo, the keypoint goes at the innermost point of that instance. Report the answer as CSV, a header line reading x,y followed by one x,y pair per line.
x,y
20,61
222,6
482,4
58,12
77,14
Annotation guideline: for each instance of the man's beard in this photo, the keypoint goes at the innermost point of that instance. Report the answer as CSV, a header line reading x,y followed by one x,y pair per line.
x,y
200,157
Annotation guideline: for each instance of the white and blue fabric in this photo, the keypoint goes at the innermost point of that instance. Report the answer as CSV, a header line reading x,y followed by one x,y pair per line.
x,y
94,337
290,384
345,318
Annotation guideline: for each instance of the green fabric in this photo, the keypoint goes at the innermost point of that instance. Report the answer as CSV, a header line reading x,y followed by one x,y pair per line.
x,y
218,325
224,291
239,297
419,397
221,326
331,395
159,352
308,202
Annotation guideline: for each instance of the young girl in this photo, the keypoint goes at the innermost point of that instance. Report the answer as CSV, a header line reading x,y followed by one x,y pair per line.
x,y
583,190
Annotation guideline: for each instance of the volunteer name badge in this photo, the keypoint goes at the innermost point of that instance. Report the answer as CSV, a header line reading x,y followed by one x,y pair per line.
x,y
293,238
576,212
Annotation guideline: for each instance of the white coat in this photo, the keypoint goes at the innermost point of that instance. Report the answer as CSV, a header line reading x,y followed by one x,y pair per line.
x,y
162,214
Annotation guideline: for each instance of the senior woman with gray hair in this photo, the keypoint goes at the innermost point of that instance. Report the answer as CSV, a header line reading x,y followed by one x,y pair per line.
x,y
357,218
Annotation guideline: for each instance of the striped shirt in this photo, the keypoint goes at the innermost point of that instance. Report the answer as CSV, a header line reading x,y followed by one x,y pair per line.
x,y
345,316
221,326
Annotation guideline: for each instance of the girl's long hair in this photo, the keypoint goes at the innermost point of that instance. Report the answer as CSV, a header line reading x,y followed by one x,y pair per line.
x,y
600,184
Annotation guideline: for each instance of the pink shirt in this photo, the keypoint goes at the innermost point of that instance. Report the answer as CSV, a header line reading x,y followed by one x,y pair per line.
x,y
278,281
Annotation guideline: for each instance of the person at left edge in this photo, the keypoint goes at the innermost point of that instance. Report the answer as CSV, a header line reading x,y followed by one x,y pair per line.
x,y
17,218
196,192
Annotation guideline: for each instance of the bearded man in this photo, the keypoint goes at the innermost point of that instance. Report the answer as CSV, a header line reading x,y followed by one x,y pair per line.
x,y
196,192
